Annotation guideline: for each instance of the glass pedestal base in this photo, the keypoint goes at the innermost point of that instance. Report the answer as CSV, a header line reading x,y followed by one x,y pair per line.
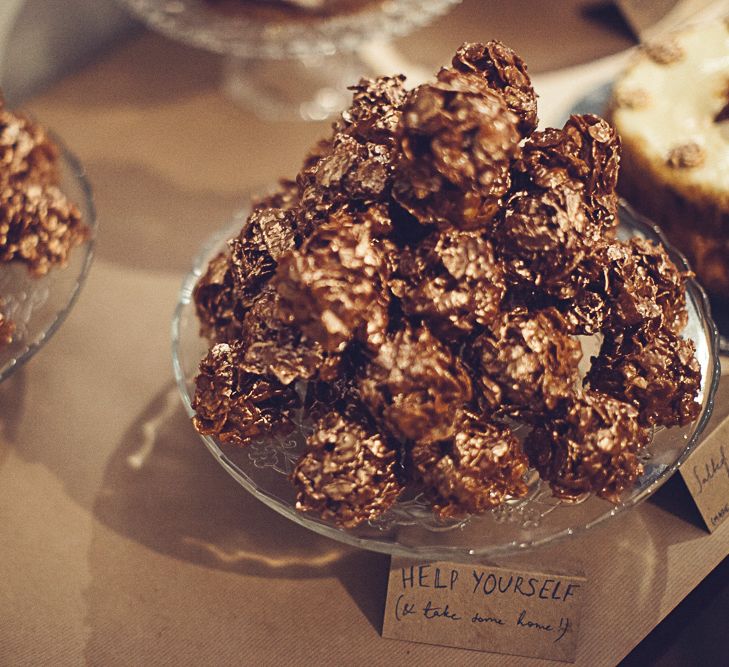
x,y
311,88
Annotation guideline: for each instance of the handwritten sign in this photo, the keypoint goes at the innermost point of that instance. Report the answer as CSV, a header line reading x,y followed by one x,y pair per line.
x,y
484,608
706,473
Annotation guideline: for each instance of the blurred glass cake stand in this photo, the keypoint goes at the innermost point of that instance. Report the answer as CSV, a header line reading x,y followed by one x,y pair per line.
x,y
296,67
410,528
38,306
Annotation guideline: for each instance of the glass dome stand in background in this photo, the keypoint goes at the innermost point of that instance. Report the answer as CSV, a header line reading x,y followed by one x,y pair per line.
x,y
311,87
294,70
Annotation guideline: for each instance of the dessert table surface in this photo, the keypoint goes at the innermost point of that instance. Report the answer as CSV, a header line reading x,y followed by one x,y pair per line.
x,y
122,540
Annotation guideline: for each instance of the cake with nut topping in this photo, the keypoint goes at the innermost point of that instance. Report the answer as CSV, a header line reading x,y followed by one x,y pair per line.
x,y
671,109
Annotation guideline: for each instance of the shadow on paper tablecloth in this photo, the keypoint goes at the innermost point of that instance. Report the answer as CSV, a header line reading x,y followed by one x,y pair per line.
x,y
12,407
674,497
156,223
153,71
184,560
163,490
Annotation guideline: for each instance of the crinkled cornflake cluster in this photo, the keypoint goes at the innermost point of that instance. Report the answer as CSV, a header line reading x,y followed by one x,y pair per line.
x,y
38,224
426,275
236,404
592,447
347,473
478,467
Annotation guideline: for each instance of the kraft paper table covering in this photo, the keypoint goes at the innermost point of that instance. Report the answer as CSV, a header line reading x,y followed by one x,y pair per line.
x,y
123,541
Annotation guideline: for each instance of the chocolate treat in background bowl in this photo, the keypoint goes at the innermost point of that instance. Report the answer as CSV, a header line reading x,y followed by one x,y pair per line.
x,y
402,331
47,223
671,109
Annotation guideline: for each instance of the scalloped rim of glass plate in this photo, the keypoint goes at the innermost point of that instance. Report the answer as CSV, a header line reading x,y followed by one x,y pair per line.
x,y
373,544
77,171
325,37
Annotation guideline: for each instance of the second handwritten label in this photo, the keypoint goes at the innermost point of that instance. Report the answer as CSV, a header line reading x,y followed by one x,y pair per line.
x,y
706,473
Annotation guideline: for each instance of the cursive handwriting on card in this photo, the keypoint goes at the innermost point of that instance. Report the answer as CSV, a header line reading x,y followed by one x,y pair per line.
x,y
706,474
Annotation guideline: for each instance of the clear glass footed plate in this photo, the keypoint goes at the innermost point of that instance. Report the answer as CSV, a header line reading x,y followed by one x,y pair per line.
x,y
197,22
410,528
297,68
38,306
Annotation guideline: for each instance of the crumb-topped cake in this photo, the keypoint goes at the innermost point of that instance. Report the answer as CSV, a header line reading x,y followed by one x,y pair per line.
x,y
671,109
418,290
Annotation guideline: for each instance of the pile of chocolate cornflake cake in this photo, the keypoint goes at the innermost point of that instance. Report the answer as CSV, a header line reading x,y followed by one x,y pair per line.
x,y
417,291
38,225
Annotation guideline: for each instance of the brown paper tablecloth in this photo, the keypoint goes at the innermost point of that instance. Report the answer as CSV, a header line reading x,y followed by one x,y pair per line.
x,y
122,541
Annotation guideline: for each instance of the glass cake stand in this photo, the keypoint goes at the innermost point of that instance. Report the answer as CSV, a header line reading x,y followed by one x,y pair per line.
x,y
293,68
38,306
410,528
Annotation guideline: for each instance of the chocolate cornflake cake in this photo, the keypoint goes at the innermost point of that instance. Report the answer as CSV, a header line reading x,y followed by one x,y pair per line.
x,y
414,386
275,347
347,473
416,293
478,467
451,279
215,302
592,447
27,154
457,140
526,364
334,286
583,156
642,285
505,72
655,371
39,226
238,406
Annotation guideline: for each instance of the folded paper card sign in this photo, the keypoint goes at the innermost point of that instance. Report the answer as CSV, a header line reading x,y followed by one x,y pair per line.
x,y
706,474
516,612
